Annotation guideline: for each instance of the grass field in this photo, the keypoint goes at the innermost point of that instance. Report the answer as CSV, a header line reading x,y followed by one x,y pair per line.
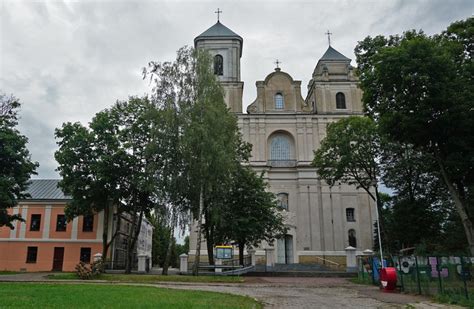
x,y
152,278
32,295
7,272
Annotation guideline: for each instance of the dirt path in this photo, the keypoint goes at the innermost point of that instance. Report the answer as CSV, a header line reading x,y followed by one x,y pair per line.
x,y
284,292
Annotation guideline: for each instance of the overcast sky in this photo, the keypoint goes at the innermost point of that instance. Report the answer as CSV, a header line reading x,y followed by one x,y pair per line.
x,y
66,61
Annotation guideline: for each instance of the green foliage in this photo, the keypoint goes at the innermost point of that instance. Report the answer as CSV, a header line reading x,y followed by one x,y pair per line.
x,y
349,152
419,90
16,167
183,248
206,144
111,163
161,242
250,214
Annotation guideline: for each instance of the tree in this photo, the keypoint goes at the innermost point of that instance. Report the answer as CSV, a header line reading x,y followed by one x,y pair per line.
x,y
206,135
251,214
419,89
16,166
109,165
349,154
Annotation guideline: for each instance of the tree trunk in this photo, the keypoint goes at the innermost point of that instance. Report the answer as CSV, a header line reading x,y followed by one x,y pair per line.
x,y
460,207
170,244
105,246
209,240
136,226
241,252
381,218
197,256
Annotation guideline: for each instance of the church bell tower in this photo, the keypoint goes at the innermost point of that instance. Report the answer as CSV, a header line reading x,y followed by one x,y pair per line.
x,y
225,46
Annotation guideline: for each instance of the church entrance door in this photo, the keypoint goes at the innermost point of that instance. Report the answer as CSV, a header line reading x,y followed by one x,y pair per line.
x,y
285,250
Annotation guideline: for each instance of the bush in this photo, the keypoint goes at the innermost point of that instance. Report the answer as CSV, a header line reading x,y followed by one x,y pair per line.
x,y
89,271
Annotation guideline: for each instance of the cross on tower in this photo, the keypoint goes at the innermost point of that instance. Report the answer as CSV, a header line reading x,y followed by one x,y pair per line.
x,y
277,62
218,12
329,37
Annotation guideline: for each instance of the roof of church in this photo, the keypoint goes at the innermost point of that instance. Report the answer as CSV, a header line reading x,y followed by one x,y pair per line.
x,y
219,31
45,189
332,54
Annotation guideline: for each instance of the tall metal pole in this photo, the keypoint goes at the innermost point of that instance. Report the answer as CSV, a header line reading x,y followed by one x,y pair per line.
x,y
378,229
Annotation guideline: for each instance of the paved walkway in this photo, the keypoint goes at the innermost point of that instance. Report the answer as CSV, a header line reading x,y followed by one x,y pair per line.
x,y
277,292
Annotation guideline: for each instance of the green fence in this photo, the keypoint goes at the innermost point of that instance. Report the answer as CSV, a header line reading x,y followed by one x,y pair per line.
x,y
426,275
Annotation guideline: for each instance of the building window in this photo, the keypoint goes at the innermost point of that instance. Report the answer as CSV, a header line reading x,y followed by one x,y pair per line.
x,y
282,200
35,222
340,100
280,149
218,65
350,215
61,223
88,223
31,255
352,238
85,255
279,103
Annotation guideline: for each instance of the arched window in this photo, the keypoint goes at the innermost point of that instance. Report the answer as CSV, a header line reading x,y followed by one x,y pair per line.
x,y
340,100
218,65
350,215
282,200
352,238
280,148
279,102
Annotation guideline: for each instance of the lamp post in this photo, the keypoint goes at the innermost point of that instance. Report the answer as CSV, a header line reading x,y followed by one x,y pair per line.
x,y
353,147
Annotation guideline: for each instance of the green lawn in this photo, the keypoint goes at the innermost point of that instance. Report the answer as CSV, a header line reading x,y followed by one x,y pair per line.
x,y
152,278
7,272
33,295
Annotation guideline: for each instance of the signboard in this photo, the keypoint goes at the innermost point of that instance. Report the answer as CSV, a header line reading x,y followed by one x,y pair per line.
x,y
224,252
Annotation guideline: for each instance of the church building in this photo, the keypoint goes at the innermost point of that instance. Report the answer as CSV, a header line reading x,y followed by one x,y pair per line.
x,y
284,129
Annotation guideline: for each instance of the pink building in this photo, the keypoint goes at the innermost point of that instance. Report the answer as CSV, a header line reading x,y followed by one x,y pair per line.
x,y
46,241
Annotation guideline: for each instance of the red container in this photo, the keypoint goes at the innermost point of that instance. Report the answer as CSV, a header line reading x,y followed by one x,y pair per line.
x,y
388,279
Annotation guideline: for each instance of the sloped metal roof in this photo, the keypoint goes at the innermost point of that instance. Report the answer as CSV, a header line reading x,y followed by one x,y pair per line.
x,y
332,54
45,189
218,30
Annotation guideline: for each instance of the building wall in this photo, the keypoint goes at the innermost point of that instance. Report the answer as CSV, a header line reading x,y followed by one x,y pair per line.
x,y
14,243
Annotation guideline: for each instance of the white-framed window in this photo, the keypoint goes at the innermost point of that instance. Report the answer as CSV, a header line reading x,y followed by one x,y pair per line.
x,y
280,148
279,101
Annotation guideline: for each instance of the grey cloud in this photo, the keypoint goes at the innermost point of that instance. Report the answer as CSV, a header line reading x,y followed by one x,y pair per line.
x,y
68,60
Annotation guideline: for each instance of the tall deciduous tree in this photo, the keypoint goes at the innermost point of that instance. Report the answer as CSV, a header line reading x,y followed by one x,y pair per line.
x,y
420,90
110,165
206,135
349,154
16,166
250,214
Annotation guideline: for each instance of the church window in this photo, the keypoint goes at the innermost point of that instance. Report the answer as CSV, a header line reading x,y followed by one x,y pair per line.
x,y
280,149
350,215
340,100
282,200
352,238
279,103
218,65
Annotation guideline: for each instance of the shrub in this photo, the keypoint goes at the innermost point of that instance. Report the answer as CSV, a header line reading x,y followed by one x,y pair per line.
x,y
89,271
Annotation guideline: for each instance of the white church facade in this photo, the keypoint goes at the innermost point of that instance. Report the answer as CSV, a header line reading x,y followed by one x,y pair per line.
x,y
284,129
